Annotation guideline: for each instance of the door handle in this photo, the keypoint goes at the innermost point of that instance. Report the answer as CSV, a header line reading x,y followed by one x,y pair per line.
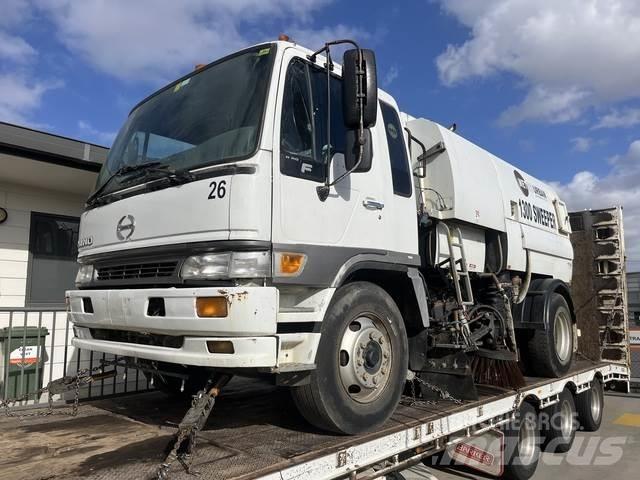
x,y
372,204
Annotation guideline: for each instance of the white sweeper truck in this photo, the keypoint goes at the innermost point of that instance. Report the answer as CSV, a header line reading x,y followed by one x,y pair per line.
x,y
276,214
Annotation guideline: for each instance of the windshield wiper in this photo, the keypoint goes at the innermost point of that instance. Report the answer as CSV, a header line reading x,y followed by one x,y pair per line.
x,y
145,169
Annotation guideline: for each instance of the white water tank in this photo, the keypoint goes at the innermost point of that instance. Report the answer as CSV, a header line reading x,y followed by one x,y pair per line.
x,y
477,191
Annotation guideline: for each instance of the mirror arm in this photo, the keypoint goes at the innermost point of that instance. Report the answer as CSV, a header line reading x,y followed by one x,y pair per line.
x,y
323,191
327,46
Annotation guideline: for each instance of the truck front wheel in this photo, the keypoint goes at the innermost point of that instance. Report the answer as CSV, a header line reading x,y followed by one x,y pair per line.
x,y
361,362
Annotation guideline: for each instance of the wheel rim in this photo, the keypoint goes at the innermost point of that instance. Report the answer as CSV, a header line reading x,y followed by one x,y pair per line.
x,y
566,420
596,401
365,358
562,334
527,441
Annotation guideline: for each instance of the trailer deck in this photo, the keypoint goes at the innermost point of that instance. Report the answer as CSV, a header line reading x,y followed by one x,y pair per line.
x,y
254,432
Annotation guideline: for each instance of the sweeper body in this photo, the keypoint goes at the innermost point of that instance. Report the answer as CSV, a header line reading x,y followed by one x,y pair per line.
x,y
267,216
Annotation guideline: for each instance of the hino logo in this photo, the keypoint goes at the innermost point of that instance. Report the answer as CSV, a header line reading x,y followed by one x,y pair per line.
x,y
85,242
125,227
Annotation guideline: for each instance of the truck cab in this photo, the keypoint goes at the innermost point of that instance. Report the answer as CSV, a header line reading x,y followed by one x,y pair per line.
x,y
234,265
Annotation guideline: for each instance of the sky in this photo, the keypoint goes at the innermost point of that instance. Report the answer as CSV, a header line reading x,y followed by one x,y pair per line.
x,y
551,87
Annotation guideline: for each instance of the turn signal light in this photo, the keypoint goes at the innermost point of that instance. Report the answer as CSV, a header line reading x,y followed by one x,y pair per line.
x,y
220,346
291,264
211,307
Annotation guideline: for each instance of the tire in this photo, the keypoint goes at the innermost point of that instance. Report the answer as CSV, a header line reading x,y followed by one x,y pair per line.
x,y
362,362
549,352
590,406
560,424
522,444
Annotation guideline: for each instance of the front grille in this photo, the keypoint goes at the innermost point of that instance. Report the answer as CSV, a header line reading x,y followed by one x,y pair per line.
x,y
134,271
124,336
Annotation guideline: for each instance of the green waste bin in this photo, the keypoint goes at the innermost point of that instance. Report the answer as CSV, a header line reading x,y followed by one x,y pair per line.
x,y
23,359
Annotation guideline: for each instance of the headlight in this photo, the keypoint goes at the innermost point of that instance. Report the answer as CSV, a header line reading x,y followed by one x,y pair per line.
x,y
227,265
85,275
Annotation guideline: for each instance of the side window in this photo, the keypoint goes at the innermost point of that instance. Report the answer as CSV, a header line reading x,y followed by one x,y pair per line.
x,y
400,171
338,129
297,142
304,142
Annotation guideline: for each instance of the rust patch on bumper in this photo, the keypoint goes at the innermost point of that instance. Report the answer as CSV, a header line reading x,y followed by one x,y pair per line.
x,y
232,297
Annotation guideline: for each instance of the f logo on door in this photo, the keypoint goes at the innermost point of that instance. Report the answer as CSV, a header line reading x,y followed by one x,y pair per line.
x,y
125,227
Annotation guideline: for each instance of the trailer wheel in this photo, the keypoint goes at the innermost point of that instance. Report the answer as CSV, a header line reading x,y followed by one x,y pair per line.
x,y
590,406
362,362
560,427
522,444
550,351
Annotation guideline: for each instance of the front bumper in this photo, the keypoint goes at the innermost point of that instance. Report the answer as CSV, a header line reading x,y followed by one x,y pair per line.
x,y
250,324
249,352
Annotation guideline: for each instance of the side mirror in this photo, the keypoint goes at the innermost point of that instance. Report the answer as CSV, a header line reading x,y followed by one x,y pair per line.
x,y
352,151
351,76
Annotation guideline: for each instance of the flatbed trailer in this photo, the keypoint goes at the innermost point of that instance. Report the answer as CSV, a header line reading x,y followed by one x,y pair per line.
x,y
255,432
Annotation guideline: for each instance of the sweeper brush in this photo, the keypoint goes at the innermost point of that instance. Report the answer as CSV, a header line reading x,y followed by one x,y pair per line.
x,y
497,368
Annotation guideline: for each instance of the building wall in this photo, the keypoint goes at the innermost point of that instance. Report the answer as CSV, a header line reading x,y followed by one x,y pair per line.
x,y
20,201
59,356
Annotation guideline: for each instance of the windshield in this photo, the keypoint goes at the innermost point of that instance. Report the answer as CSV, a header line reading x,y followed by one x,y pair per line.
x,y
210,117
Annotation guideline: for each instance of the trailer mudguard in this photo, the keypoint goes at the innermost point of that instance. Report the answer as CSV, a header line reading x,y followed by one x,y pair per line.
x,y
533,312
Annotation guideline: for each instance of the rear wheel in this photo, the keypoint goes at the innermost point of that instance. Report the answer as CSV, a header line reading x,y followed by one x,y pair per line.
x,y
561,425
550,351
522,444
590,406
361,362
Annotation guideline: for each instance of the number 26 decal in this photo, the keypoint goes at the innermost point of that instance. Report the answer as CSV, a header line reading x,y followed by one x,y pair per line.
x,y
218,189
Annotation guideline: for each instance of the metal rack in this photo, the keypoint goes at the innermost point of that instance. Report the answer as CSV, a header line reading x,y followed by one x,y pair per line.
x,y
599,284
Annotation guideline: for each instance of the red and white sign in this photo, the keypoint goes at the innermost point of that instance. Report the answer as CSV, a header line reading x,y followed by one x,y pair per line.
x,y
483,452
24,356
475,453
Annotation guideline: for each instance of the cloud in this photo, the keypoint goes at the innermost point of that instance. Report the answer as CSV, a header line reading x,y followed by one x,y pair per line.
x,y
581,144
14,12
89,132
619,186
550,105
152,41
625,118
20,96
564,52
390,76
15,48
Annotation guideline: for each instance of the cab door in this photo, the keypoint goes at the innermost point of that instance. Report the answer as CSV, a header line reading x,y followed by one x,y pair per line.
x,y
350,220
400,222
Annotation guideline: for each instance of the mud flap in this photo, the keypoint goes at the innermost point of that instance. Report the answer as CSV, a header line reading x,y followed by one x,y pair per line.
x,y
484,452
